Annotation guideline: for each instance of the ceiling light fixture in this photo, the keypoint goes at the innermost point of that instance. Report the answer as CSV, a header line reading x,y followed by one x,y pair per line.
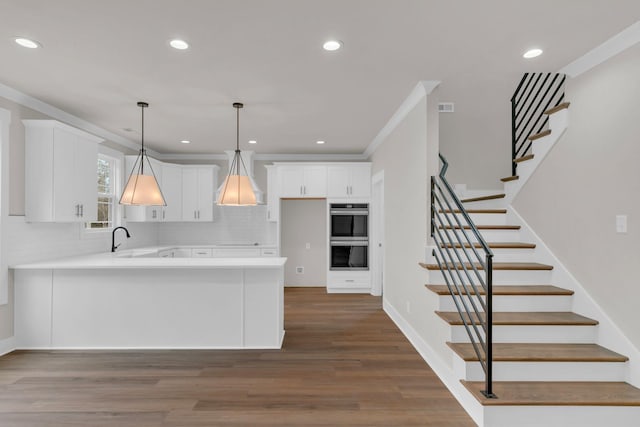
x,y
28,43
332,45
179,44
185,141
237,189
320,142
141,189
253,141
532,53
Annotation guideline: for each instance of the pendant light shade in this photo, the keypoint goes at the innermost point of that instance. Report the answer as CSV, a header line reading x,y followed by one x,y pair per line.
x,y
142,189
237,189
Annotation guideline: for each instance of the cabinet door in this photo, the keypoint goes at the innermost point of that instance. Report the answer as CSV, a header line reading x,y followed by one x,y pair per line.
x,y
189,194
315,181
172,191
291,180
205,194
66,207
273,197
86,179
338,181
360,182
154,213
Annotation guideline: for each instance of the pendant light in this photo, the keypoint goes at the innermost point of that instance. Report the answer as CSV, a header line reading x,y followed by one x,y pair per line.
x,y
141,189
237,189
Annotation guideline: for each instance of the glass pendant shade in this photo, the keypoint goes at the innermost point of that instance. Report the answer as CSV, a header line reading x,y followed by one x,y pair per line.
x,y
237,189
142,189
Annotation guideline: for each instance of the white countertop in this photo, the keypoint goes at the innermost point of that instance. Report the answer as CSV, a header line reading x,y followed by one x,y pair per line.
x,y
135,259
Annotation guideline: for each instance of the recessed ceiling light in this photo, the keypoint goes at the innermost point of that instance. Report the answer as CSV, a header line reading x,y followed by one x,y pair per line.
x,y
179,44
185,141
319,142
28,43
532,53
332,45
253,141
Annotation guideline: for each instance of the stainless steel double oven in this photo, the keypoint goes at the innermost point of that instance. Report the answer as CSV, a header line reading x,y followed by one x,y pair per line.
x,y
349,239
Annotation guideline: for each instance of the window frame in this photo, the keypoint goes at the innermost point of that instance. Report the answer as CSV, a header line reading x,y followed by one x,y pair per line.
x,y
116,159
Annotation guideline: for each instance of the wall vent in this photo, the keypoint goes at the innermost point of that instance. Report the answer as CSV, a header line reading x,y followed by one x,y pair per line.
x,y
445,107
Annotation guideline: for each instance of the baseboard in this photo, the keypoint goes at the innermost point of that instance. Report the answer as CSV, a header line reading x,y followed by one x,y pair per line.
x,y
446,375
7,345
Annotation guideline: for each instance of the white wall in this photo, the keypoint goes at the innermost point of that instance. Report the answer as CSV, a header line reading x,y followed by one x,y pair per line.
x,y
408,157
590,176
304,221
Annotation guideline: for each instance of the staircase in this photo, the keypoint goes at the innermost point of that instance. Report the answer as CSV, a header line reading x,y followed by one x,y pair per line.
x,y
547,368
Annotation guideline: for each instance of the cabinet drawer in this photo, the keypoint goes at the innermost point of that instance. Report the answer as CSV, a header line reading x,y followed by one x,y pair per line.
x,y
269,252
238,252
360,279
201,253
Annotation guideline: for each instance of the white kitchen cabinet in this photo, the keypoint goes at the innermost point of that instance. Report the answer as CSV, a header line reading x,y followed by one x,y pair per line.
x,y
302,181
60,173
172,191
273,196
349,181
198,193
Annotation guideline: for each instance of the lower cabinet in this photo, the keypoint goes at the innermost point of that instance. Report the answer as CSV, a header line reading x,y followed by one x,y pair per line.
x,y
349,282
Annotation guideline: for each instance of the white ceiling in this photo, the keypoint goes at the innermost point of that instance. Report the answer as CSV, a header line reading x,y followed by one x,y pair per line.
x,y
100,57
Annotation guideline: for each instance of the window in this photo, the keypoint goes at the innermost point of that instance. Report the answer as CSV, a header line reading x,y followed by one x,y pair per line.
x,y
106,193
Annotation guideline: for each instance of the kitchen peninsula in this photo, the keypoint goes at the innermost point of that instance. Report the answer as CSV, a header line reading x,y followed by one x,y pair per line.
x,y
140,300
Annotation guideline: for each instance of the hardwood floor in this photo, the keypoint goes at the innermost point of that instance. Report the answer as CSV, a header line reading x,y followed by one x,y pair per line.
x,y
343,363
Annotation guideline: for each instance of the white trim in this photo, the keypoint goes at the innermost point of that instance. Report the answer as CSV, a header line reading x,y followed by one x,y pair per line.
x,y
444,373
58,114
5,123
377,234
7,345
616,44
422,89
265,157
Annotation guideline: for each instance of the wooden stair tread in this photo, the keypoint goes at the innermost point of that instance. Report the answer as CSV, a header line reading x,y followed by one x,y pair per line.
x,y
497,266
494,245
482,227
557,393
481,198
523,158
513,290
557,108
509,178
541,352
539,135
540,318
476,211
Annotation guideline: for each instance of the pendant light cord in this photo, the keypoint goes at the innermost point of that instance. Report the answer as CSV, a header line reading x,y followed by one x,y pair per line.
x,y
238,138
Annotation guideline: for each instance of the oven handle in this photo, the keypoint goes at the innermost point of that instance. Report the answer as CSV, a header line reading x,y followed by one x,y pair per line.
x,y
349,243
348,212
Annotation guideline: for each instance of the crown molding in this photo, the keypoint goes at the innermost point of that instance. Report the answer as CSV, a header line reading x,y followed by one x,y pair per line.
x,y
422,89
610,48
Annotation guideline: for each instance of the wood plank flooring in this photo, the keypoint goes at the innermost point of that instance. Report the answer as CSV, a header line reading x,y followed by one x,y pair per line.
x,y
343,363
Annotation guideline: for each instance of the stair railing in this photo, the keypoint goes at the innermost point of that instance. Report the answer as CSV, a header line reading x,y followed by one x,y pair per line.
x,y
535,94
465,261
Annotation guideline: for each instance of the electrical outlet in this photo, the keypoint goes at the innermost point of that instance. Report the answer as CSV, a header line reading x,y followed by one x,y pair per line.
x,y
307,245
621,223
299,270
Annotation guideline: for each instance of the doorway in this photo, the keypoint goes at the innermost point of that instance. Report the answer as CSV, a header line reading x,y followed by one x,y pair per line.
x,y
377,234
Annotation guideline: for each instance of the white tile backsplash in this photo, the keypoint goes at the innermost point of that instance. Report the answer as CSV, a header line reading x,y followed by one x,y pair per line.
x,y
232,225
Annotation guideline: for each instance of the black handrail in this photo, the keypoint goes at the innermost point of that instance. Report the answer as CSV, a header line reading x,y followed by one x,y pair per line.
x,y
461,268
535,94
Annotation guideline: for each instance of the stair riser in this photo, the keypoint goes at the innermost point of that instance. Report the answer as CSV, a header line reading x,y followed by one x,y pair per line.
x,y
542,371
561,416
487,235
484,219
518,303
533,334
507,255
504,277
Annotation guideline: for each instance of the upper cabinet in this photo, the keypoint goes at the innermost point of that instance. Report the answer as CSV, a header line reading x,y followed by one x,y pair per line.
x,y
198,192
349,181
60,173
302,181
172,192
273,199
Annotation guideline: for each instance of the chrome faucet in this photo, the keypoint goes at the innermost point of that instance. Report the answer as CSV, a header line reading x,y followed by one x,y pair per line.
x,y
113,238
